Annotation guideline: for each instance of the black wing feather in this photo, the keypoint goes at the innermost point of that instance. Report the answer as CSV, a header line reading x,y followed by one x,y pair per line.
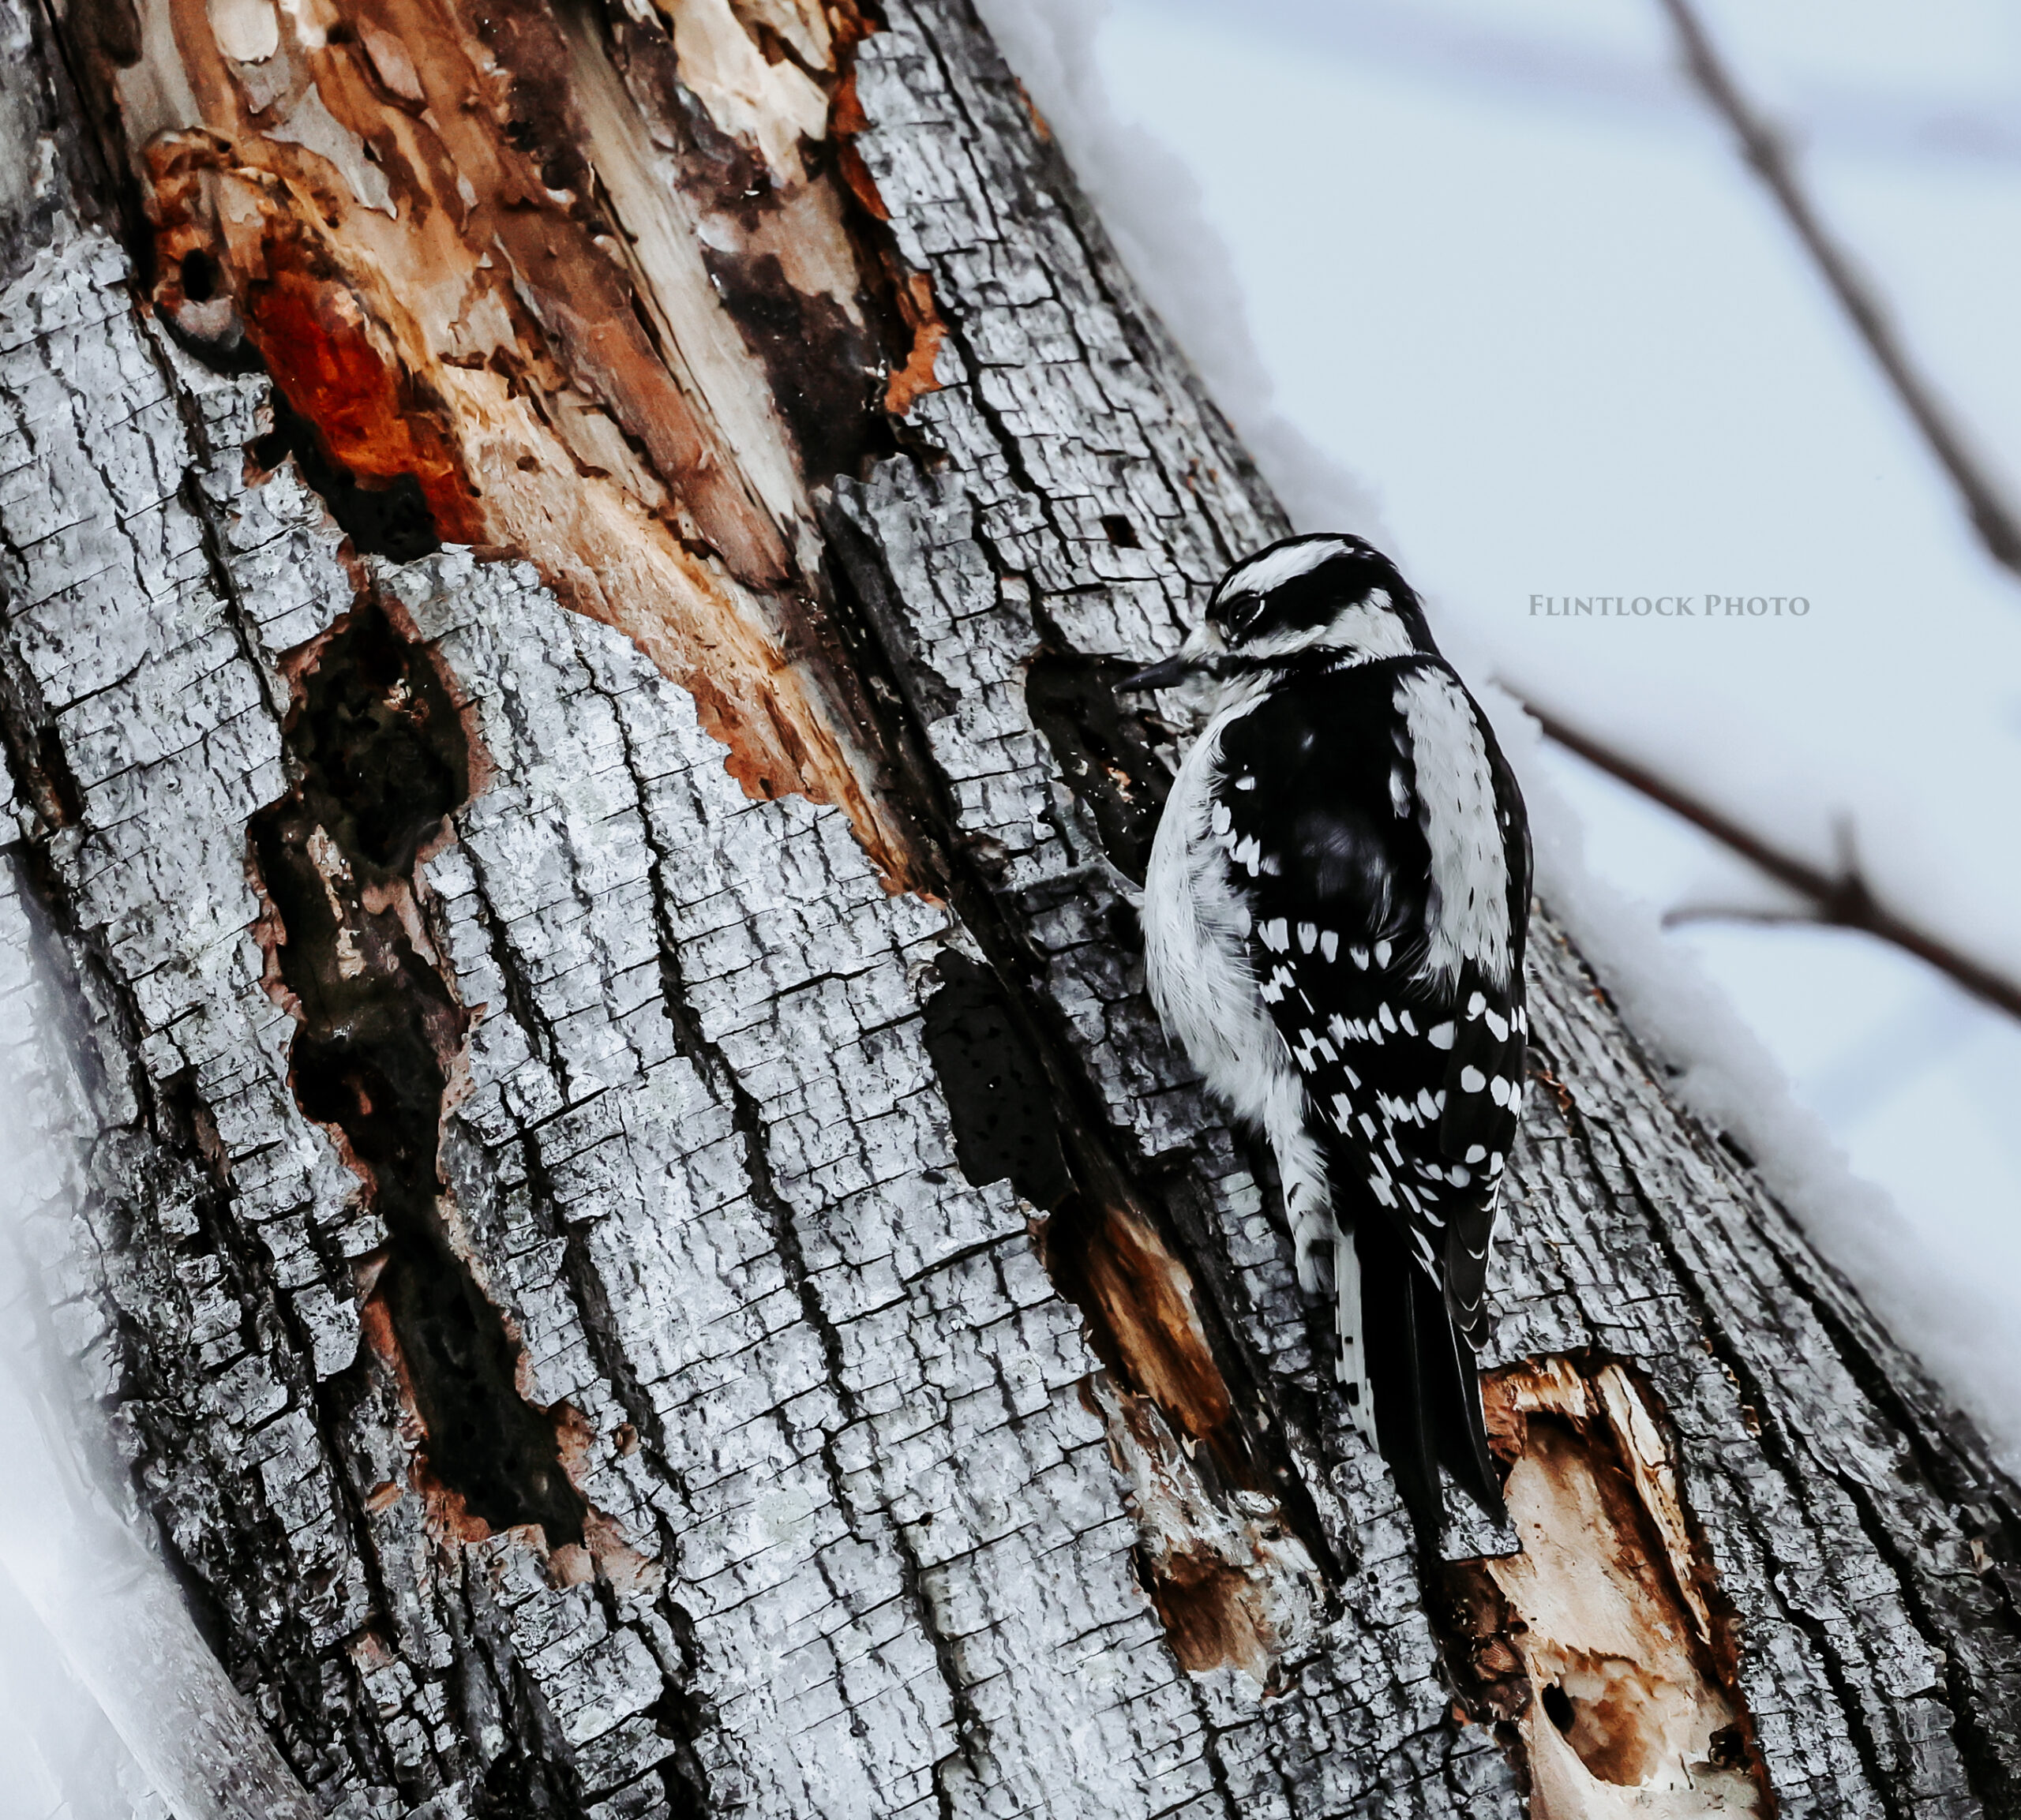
x,y
1414,1082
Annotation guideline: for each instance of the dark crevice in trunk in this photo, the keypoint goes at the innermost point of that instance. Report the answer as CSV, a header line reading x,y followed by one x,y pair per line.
x,y
41,772
971,1729
999,1101
681,1716
1108,754
381,762
884,648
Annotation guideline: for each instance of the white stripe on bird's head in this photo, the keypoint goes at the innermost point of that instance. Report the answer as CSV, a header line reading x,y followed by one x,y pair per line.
x,y
1321,593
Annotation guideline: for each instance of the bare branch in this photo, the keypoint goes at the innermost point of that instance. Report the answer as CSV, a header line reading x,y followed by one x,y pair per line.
x,y
1842,901
1685,914
1764,148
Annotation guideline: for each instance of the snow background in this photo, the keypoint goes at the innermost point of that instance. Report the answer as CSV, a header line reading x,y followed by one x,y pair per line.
x,y
1490,286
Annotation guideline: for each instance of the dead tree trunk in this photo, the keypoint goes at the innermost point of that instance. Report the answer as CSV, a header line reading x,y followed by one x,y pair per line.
x,y
640,1249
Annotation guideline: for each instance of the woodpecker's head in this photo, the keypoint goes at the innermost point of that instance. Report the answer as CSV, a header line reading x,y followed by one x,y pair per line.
x,y
1327,598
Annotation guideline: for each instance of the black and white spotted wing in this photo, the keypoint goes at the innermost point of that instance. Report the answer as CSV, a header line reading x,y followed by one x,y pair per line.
x,y
1414,1079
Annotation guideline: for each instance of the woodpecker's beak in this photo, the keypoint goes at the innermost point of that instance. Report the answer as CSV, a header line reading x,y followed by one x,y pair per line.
x,y
1165,674
1200,652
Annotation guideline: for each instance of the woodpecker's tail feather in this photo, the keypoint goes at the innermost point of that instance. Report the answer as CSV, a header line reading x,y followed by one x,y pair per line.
x,y
1425,1384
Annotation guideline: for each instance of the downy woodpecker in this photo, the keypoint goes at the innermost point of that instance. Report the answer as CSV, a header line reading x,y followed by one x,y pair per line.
x,y
1334,919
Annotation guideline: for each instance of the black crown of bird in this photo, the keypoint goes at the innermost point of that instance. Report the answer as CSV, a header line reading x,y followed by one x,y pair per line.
x,y
1334,916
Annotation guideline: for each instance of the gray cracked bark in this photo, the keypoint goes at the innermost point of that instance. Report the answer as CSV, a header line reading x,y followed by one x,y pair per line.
x,y
636,1243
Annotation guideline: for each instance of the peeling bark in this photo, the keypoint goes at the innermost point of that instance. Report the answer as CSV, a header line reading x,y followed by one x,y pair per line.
x,y
641,1252
1612,1608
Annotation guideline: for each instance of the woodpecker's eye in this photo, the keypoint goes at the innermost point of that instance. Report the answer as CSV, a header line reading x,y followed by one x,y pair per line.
x,y
1240,616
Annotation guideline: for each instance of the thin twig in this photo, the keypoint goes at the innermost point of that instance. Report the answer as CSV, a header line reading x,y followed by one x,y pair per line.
x,y
1842,901
1685,914
1762,147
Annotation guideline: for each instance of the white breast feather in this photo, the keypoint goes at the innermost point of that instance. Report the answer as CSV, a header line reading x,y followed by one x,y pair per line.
x,y
1196,935
1468,917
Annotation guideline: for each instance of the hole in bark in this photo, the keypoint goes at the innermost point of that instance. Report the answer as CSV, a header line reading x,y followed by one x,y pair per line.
x,y
998,1099
58,796
1612,1609
1144,1323
383,760
1119,531
199,276
1105,755
392,521
381,747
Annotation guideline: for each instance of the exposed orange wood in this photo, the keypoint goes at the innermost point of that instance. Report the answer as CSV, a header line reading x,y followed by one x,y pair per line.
x,y
915,378
318,345
465,254
1143,1298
